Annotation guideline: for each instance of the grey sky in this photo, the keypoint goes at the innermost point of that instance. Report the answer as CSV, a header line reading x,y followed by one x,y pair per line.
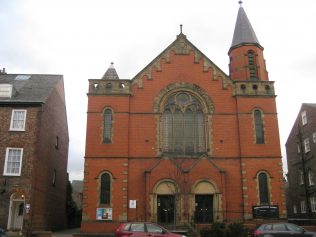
x,y
80,38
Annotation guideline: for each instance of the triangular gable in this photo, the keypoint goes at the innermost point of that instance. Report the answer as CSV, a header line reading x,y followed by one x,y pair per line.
x,y
181,46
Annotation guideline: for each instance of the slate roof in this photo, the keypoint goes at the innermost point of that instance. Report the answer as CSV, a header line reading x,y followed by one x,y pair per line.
x,y
29,88
243,32
111,73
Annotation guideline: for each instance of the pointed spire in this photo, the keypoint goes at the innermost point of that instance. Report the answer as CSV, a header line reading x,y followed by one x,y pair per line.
x,y
244,32
111,73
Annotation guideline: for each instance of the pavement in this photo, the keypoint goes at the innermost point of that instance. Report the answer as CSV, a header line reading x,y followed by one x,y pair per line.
x,y
66,233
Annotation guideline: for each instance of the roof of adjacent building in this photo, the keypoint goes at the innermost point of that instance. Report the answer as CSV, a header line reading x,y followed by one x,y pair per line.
x,y
111,73
29,88
243,32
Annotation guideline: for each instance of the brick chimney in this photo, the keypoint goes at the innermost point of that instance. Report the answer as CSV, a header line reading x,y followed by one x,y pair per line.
x,y
3,71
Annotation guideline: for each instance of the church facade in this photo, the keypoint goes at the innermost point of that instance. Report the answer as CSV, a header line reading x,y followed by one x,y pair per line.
x,y
182,142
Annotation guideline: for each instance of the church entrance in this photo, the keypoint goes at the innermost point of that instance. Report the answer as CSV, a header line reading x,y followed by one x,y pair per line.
x,y
203,208
166,209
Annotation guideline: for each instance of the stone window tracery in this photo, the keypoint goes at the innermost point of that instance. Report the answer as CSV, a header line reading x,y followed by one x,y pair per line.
x,y
183,125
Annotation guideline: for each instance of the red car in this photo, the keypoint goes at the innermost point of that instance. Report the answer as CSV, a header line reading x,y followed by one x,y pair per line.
x,y
143,229
281,230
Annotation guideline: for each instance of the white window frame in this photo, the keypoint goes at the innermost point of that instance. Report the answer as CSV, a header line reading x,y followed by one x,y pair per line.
x,y
304,117
301,177
306,145
310,178
6,90
294,209
303,207
314,137
313,204
5,171
13,120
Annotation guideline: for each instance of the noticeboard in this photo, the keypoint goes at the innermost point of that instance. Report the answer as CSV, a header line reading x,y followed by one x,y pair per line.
x,y
104,214
265,211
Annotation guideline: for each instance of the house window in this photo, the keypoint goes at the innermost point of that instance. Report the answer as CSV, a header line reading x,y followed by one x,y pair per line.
x,y
314,137
304,117
252,66
183,126
54,178
263,188
13,161
313,204
306,145
6,90
303,207
310,178
259,127
301,177
294,209
18,120
107,132
105,189
298,148
57,142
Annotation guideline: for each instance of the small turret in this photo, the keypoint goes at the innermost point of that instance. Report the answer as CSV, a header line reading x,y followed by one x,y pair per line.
x,y
111,73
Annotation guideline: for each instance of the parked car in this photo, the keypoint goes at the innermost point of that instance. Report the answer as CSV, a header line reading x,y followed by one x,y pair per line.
x,y
281,230
2,232
143,229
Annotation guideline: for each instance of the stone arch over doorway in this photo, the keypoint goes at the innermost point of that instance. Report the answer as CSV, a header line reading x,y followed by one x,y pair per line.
x,y
206,202
165,202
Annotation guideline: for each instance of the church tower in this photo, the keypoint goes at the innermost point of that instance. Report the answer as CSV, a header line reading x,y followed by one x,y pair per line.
x,y
260,153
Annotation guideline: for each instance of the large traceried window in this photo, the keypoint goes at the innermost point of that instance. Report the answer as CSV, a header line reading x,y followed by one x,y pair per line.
x,y
259,129
183,126
105,189
263,186
107,131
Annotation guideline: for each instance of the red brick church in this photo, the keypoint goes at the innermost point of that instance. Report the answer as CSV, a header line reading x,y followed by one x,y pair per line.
x,y
182,142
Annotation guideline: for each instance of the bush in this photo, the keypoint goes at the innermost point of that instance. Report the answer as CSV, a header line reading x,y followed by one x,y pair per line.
x,y
235,230
205,232
219,229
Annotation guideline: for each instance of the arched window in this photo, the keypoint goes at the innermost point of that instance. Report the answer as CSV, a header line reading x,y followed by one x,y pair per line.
x,y
183,126
252,66
263,188
107,131
105,189
259,127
